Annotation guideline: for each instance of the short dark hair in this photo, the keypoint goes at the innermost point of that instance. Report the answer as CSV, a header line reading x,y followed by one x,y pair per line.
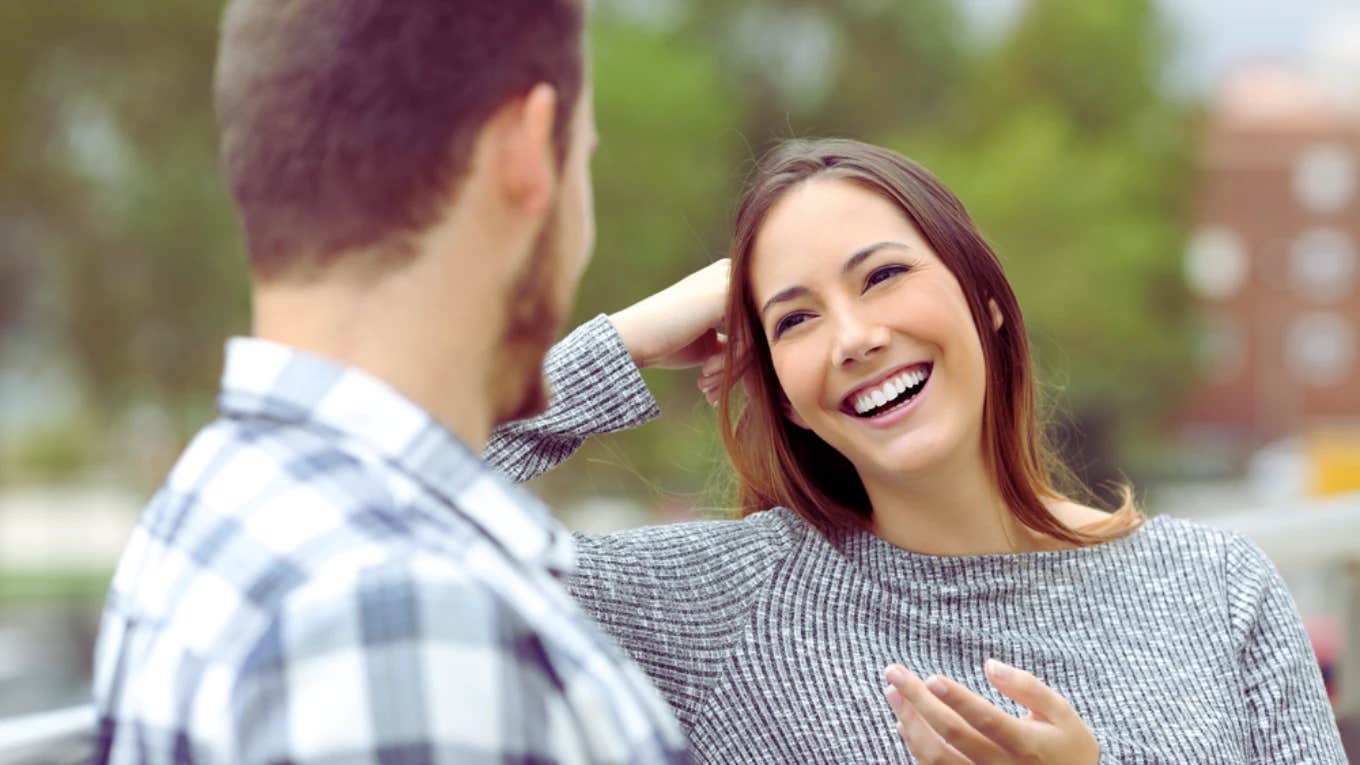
x,y
347,124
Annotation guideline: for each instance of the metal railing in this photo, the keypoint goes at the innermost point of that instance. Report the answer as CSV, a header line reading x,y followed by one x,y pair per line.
x,y
50,738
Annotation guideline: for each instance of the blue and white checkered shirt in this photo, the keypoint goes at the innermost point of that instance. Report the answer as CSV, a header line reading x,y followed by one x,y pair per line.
x,y
330,576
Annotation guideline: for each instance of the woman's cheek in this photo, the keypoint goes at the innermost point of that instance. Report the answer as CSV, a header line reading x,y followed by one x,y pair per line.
x,y
799,381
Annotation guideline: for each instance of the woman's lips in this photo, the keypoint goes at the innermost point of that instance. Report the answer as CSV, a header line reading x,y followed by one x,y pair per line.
x,y
906,376
898,413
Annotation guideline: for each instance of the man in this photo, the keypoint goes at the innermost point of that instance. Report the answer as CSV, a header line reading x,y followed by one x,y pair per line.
x,y
330,574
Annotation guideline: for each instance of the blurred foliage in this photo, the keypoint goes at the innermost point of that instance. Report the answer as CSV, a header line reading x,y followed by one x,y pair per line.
x,y
764,71
1058,137
860,68
109,165
57,451
1076,166
670,156
16,274
20,587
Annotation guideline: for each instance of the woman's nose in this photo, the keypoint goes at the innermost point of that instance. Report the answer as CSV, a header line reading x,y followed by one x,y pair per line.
x,y
857,340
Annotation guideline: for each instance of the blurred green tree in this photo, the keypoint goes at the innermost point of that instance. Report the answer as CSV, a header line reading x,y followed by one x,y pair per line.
x,y
860,68
107,155
1075,162
15,279
689,92
1059,138
668,162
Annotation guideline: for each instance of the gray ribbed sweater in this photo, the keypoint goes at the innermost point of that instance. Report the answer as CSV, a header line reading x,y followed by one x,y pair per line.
x,y
1177,644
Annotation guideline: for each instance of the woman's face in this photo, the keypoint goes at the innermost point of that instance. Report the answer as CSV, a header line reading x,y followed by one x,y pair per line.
x,y
871,337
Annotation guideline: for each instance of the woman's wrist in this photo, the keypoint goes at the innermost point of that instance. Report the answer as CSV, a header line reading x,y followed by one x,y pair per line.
x,y
631,331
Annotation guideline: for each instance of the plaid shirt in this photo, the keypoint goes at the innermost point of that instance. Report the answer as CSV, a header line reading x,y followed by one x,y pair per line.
x,y
330,576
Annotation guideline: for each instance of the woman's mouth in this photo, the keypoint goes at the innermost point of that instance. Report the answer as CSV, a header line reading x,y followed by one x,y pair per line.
x,y
892,394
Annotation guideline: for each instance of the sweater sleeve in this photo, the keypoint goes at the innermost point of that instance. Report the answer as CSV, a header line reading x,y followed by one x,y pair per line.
x,y
596,389
1289,717
679,597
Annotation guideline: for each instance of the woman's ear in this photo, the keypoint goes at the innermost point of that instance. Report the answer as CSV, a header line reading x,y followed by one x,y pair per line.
x,y
997,318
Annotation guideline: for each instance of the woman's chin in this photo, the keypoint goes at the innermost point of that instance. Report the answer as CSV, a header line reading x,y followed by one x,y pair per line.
x,y
916,454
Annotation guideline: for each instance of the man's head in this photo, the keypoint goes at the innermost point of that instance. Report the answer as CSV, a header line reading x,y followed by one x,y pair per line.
x,y
369,135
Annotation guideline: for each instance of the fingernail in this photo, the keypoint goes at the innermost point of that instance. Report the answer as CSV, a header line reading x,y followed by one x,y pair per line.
x,y
894,675
997,670
894,698
937,686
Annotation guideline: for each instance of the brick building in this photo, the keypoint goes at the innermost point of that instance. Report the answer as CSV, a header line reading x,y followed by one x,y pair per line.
x,y
1274,260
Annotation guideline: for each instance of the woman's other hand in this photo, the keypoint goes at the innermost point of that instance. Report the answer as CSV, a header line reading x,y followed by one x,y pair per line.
x,y
944,723
677,327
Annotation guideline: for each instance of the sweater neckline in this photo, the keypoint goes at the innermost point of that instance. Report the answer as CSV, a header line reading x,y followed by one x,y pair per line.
x,y
894,565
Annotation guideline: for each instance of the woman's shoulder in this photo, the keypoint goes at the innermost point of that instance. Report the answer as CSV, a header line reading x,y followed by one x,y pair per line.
x,y
1218,552
719,568
768,535
776,529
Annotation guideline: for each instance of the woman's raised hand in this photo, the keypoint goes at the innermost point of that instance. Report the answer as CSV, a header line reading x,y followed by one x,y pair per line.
x,y
677,327
944,723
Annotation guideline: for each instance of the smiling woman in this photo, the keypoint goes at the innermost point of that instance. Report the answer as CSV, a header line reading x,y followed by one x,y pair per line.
x,y
903,518
877,274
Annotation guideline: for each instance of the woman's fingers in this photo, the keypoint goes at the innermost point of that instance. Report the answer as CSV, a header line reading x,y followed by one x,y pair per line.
x,y
713,365
948,725
710,391
1003,731
924,743
710,375
944,722
1017,684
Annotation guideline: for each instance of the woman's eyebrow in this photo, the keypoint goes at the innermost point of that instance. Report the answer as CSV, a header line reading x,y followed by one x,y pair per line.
x,y
864,252
851,262
782,296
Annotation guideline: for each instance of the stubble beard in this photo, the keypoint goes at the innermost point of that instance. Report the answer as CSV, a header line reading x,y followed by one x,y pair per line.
x,y
531,324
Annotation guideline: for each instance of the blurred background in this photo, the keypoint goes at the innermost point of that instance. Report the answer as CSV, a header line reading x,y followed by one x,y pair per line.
x,y
1171,185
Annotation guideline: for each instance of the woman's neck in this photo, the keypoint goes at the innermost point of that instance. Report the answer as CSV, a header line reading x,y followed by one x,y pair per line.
x,y
949,510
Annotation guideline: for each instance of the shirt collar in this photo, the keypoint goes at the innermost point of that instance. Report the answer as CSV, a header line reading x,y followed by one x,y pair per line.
x,y
267,380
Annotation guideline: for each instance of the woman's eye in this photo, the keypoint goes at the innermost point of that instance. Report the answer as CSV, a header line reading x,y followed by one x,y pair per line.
x,y
883,274
789,322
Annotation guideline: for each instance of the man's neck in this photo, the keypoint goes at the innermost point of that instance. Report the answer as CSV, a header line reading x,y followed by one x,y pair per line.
x,y
436,353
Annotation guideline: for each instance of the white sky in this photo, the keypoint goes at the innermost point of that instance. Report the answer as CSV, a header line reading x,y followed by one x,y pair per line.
x,y
1216,35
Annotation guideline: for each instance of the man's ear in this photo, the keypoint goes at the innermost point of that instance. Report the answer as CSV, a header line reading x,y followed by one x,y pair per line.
x,y
997,318
521,151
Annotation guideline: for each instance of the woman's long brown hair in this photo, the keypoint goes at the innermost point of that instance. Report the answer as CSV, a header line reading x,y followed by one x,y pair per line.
x,y
780,464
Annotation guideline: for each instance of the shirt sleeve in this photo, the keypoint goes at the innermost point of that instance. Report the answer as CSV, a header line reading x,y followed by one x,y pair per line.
x,y
1290,719
401,668
596,388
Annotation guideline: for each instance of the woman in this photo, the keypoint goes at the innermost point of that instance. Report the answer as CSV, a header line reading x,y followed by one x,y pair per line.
x,y
901,509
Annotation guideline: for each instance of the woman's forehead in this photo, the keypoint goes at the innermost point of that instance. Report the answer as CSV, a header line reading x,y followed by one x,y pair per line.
x,y
817,226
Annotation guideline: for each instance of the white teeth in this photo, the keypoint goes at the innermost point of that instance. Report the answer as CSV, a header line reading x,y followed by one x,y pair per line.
x,y
889,390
